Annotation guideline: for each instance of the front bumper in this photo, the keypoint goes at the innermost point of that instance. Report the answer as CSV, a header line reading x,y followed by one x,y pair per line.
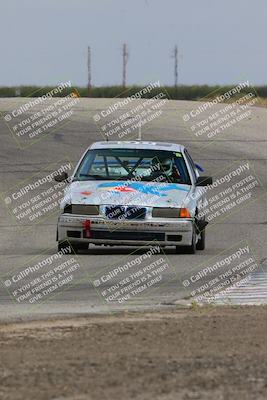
x,y
170,232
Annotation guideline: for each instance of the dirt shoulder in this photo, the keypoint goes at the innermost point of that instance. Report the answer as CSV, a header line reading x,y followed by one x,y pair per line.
x,y
207,353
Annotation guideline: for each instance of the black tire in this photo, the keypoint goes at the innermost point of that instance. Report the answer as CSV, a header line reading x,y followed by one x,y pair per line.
x,y
188,249
202,241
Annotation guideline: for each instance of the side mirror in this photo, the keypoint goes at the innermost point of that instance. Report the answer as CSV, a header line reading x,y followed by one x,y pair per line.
x,y
61,177
204,181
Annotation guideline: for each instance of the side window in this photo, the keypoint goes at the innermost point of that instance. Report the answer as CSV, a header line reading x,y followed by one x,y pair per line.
x,y
192,165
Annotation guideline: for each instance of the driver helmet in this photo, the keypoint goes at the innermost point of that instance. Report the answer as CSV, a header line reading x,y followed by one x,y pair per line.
x,y
164,165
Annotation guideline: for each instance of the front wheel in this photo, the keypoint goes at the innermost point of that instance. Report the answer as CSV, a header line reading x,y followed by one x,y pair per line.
x,y
188,249
201,242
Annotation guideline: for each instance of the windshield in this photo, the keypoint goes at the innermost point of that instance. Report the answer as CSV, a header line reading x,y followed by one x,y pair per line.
x,y
140,164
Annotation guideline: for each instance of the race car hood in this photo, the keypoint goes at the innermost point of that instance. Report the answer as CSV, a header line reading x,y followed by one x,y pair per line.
x,y
148,194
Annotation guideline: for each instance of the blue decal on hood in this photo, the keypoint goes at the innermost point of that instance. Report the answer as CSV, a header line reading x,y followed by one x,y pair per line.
x,y
119,187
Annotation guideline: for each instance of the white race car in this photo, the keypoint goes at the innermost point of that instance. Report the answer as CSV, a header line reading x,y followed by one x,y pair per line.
x,y
133,193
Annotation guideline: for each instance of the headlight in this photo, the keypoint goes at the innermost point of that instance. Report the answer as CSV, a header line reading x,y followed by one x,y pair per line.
x,y
67,209
162,212
184,213
81,209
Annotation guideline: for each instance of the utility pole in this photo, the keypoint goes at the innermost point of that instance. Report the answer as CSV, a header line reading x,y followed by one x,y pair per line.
x,y
175,56
125,56
89,71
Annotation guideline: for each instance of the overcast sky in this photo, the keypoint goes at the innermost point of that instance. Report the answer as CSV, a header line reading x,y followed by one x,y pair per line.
x,y
45,41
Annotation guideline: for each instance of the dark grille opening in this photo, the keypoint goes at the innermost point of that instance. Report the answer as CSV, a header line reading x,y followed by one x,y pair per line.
x,y
146,236
174,238
125,213
75,234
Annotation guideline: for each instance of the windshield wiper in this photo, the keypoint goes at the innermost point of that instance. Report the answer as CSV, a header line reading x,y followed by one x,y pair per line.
x,y
123,178
94,176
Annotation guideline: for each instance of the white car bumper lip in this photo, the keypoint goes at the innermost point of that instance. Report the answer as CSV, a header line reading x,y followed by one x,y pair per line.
x,y
130,232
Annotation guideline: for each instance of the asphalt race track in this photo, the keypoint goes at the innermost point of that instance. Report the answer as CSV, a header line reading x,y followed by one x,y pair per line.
x,y
245,141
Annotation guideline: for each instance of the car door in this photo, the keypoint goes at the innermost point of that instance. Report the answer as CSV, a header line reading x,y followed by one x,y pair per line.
x,y
196,194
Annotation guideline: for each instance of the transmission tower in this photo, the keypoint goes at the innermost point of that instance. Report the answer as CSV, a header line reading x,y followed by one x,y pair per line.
x,y
89,71
175,56
125,57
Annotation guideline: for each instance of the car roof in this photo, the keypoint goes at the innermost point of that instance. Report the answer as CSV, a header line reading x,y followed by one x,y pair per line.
x,y
138,144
